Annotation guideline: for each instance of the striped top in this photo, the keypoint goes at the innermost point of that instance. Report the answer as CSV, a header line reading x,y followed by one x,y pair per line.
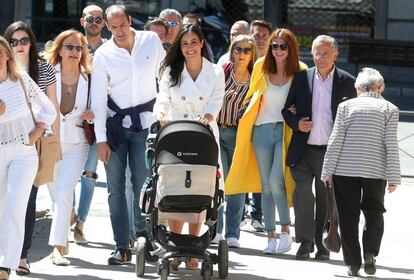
x,y
46,75
233,99
364,140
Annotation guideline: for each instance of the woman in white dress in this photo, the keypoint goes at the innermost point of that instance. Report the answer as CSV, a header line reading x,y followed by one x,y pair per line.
x,y
191,88
18,132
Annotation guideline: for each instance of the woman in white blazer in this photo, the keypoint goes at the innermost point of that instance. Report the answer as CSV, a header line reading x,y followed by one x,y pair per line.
x,y
191,88
69,56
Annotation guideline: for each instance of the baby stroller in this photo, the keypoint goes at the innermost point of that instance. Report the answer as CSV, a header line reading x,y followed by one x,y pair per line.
x,y
183,157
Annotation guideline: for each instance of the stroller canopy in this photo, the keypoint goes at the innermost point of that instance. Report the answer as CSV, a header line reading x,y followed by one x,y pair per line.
x,y
187,142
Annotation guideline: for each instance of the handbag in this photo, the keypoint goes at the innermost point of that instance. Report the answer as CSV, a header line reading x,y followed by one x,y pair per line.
x,y
89,128
331,239
47,147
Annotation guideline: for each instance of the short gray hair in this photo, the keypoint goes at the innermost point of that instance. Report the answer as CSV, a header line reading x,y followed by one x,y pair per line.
x,y
325,39
170,12
368,79
243,23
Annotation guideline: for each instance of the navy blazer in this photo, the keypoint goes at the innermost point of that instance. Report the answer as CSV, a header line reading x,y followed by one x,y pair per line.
x,y
300,95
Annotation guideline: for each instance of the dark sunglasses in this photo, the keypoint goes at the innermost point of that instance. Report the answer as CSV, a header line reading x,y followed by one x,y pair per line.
x,y
282,47
239,50
91,19
23,41
70,47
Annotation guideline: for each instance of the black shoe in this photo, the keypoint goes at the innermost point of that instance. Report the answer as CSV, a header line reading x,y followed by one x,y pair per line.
x,y
370,267
353,270
322,254
304,250
119,257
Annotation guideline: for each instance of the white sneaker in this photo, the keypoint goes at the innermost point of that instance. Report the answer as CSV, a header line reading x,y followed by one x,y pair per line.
x,y
258,226
233,242
243,223
285,242
271,247
217,239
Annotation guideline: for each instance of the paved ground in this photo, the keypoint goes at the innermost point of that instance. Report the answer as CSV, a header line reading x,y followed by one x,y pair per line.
x,y
247,263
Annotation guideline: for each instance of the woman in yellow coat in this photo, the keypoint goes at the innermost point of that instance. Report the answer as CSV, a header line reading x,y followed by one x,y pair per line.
x,y
262,138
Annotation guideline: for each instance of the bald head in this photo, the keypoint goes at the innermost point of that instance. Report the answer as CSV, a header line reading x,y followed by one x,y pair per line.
x,y
90,9
116,10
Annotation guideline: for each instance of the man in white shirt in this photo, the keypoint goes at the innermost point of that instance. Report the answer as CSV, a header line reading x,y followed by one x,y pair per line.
x,y
123,94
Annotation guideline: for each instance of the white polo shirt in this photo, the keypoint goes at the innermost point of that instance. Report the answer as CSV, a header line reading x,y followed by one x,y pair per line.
x,y
129,79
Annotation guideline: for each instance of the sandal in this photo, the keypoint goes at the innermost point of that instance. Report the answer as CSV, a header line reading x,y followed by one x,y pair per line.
x,y
4,273
57,258
175,263
23,270
191,264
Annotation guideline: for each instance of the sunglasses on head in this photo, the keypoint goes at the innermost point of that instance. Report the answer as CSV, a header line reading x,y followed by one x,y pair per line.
x,y
23,41
239,50
282,47
70,47
91,19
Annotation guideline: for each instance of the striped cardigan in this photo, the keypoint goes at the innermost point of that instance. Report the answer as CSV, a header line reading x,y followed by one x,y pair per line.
x,y
364,141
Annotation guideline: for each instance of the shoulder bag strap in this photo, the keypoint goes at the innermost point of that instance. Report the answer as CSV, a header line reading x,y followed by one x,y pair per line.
x,y
27,99
88,101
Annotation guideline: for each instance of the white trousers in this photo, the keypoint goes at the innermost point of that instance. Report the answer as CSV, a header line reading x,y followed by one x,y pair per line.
x,y
66,176
18,167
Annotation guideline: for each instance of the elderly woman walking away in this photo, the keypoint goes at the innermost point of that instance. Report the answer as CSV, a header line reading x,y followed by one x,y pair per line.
x,y
362,155
24,112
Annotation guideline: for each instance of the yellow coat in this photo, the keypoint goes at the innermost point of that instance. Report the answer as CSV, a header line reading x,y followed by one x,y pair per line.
x,y
244,174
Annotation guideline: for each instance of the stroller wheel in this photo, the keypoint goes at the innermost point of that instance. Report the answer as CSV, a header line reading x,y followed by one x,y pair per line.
x,y
164,269
140,256
223,259
206,270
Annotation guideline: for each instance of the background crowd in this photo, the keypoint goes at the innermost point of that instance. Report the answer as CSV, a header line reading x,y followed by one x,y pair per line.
x,y
285,132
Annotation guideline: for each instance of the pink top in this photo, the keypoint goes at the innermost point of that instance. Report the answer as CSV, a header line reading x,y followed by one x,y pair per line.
x,y
321,109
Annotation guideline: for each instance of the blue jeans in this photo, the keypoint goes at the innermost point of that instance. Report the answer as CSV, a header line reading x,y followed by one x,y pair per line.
x,y
132,147
87,184
268,142
235,202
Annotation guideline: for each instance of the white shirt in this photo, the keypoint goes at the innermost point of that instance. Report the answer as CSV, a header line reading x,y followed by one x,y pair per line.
x,y
192,99
17,122
70,132
272,103
225,58
130,79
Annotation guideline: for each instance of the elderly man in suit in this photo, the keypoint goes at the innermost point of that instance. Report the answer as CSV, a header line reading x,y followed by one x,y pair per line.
x,y
315,94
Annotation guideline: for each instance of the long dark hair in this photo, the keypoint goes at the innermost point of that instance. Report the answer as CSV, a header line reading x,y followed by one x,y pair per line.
x,y
33,54
175,58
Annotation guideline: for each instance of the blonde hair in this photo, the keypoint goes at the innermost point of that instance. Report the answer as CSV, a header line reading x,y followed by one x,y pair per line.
x,y
248,39
12,69
52,52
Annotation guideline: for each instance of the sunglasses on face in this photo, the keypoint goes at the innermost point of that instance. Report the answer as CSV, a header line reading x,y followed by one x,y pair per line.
x,y
91,19
282,47
239,50
70,47
173,24
23,41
